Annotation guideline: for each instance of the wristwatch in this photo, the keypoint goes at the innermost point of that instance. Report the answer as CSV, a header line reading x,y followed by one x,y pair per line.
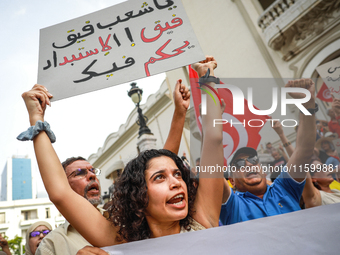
x,y
313,110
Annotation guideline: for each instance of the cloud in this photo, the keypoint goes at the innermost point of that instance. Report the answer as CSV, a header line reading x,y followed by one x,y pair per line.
x,y
21,11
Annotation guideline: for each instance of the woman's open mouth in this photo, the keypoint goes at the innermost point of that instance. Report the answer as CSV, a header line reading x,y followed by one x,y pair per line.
x,y
177,201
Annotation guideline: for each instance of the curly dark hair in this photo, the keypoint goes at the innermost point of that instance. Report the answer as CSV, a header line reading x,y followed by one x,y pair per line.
x,y
130,198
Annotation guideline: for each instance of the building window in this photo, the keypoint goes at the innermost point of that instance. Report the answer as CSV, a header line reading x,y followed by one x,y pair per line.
x,y
2,218
48,213
29,215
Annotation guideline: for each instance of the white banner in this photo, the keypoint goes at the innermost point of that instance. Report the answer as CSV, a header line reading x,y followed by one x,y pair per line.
x,y
309,231
330,73
125,42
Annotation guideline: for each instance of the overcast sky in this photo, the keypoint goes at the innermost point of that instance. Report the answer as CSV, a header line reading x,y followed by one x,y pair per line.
x,y
81,123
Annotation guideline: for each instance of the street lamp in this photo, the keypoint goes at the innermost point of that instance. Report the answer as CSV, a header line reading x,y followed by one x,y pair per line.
x,y
136,96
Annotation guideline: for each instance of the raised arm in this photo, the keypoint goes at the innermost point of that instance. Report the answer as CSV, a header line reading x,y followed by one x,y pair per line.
x,y
210,188
336,109
284,154
305,139
4,245
311,195
76,209
278,129
181,97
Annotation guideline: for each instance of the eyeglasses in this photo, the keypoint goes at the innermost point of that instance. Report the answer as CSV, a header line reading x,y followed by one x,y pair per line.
x,y
82,172
37,233
254,160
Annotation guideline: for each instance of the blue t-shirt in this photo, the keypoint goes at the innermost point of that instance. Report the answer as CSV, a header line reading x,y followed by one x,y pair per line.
x,y
332,161
282,196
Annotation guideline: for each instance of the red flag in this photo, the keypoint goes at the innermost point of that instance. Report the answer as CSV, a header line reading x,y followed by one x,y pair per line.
x,y
237,135
324,94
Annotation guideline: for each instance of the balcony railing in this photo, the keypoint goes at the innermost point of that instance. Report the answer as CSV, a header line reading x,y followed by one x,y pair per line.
x,y
274,11
290,26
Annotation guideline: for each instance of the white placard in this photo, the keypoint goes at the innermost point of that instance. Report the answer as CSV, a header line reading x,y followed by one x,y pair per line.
x,y
125,42
290,233
330,73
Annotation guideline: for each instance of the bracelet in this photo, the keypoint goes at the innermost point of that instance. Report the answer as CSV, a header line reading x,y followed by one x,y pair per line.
x,y
313,110
207,78
33,131
286,144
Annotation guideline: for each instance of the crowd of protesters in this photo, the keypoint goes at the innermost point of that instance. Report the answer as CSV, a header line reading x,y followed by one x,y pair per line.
x,y
155,195
322,185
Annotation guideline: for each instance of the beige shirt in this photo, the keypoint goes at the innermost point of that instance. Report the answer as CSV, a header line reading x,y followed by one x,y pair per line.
x,y
65,239
195,226
330,198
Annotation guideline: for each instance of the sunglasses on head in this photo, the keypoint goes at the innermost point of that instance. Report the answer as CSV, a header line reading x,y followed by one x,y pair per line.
x,y
241,162
37,233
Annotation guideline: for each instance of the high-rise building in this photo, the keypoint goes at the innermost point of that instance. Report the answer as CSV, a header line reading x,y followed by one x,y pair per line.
x,y
19,206
18,179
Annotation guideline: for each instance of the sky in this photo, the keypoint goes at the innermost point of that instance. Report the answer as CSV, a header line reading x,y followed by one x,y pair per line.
x,y
81,123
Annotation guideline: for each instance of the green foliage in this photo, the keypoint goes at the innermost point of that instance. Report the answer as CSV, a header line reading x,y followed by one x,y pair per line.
x,y
14,245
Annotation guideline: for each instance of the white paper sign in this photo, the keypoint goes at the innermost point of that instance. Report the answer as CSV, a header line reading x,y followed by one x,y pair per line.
x,y
330,73
125,42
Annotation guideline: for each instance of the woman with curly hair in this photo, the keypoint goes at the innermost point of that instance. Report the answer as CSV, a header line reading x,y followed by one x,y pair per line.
x,y
135,210
155,196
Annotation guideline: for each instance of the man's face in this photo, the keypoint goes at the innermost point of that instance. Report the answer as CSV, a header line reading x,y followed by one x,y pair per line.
x,y
269,145
250,178
87,186
325,145
275,155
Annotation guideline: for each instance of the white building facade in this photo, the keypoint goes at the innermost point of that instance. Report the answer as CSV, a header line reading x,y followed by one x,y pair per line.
x,y
17,216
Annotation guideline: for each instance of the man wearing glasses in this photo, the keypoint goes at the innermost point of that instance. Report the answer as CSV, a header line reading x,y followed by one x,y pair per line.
x,y
82,178
253,198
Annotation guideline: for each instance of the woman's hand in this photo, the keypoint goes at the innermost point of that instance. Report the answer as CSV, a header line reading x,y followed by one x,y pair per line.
x,y
36,100
202,67
181,97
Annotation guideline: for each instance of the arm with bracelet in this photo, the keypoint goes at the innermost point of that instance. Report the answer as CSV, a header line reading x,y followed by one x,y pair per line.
x,y
54,178
307,130
210,188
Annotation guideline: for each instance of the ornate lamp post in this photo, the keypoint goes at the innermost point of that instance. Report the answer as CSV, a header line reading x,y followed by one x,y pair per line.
x,y
136,95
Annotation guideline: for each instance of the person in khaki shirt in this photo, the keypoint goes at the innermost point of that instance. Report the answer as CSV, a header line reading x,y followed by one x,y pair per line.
x,y
82,178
